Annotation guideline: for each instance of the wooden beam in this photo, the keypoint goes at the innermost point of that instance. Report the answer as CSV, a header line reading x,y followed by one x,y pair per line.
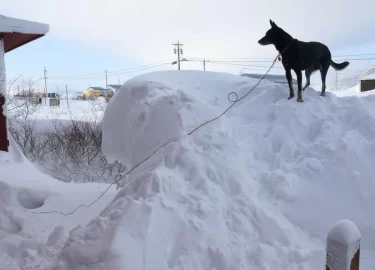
x,y
3,123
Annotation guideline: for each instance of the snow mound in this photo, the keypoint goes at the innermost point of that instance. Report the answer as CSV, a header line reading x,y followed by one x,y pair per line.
x,y
260,188
30,240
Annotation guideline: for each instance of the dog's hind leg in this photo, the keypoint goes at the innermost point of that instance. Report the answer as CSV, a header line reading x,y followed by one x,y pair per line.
x,y
323,72
299,81
307,74
289,79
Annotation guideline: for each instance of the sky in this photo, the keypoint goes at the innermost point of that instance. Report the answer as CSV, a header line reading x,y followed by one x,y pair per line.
x,y
87,37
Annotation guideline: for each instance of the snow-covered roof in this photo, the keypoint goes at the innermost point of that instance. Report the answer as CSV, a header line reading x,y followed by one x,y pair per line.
x,y
369,74
13,25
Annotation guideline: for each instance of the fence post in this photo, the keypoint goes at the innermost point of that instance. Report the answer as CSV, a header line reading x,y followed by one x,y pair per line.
x,y
343,246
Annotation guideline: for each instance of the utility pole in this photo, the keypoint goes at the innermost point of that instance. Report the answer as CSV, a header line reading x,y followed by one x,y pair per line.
x,y
106,84
179,52
67,96
45,85
204,64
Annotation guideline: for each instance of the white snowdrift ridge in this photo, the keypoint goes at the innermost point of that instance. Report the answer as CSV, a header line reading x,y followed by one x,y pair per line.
x,y
259,188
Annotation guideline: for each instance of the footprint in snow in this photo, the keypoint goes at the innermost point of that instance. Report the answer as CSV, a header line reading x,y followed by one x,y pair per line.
x,y
31,199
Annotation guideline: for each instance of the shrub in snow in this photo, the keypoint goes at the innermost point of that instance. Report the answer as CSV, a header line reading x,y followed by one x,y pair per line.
x,y
68,150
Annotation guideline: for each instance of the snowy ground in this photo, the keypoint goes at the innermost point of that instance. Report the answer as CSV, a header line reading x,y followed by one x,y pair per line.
x,y
257,189
33,241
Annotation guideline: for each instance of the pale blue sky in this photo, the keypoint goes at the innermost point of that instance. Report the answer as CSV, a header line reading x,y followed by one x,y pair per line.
x,y
89,36
65,58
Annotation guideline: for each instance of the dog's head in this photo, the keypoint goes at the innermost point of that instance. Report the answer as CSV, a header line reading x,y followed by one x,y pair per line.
x,y
272,35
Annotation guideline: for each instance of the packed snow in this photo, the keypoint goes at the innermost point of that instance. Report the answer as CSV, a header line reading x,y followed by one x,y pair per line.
x,y
30,240
259,188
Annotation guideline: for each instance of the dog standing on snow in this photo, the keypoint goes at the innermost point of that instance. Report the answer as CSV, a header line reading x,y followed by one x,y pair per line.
x,y
298,56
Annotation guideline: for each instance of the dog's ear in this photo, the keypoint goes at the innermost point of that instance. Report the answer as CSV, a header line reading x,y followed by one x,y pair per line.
x,y
273,24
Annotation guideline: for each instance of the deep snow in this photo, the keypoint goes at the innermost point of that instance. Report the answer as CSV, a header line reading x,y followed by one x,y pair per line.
x,y
33,241
260,188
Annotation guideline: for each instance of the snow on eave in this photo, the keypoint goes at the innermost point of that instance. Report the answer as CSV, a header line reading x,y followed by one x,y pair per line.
x,y
13,25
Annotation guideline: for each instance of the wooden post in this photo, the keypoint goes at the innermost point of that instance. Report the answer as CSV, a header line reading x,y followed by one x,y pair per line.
x,y
3,120
343,246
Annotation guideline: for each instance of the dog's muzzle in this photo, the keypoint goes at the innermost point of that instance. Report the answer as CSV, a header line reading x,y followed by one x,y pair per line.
x,y
263,42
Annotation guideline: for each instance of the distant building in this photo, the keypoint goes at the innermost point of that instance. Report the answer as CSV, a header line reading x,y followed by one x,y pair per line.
x,y
94,90
114,87
367,80
53,95
271,77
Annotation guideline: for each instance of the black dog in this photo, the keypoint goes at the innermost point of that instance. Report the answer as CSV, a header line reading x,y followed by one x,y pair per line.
x,y
299,56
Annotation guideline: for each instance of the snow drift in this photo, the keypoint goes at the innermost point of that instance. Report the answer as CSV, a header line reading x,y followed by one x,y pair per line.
x,y
30,240
259,188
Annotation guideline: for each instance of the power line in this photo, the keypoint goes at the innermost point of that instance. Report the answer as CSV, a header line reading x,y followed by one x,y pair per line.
x,y
243,64
140,68
268,60
100,74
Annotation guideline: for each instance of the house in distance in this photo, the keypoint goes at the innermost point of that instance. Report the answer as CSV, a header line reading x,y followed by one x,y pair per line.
x,y
367,80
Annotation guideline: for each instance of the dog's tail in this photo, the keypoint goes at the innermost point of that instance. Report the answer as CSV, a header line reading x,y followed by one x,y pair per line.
x,y
340,66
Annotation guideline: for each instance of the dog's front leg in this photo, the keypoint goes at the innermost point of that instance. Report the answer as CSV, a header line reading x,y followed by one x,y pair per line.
x,y
289,78
299,81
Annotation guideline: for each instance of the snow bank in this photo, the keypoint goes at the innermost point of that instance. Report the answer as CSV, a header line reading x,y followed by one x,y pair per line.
x,y
259,188
30,240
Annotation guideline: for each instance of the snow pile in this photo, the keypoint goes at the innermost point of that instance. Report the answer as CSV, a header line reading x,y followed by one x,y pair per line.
x,y
260,188
34,241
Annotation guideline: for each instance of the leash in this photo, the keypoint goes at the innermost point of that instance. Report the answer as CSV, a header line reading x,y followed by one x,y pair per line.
x,y
278,57
165,144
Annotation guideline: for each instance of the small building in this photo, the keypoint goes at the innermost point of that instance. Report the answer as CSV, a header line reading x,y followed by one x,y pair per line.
x,y
95,90
367,80
14,33
53,95
114,87
281,79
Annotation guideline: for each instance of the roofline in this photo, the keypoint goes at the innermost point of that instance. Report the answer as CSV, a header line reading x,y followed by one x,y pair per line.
x,y
37,36
361,75
15,25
